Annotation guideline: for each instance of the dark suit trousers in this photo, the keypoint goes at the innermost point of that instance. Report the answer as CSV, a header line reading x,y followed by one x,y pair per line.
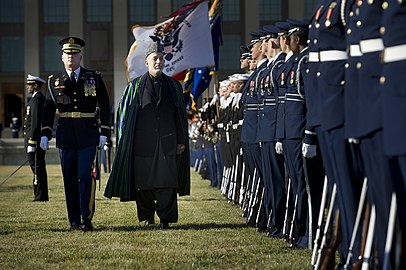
x,y
38,167
166,205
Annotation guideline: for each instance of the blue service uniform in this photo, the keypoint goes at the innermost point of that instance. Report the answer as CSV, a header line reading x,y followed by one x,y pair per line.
x,y
393,33
273,169
249,141
77,135
332,56
369,116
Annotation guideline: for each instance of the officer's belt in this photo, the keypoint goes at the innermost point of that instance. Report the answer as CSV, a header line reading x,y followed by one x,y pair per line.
x,y
371,45
327,56
270,102
76,115
294,97
252,107
354,50
394,53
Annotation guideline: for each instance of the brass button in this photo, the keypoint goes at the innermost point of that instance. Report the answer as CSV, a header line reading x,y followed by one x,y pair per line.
x,y
315,41
358,23
342,82
317,25
318,74
75,107
351,13
307,70
370,2
347,65
359,65
310,26
74,93
382,80
385,5
75,100
359,3
308,41
349,31
382,30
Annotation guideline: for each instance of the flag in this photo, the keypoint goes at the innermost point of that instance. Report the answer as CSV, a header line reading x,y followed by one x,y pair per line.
x,y
201,80
202,76
186,40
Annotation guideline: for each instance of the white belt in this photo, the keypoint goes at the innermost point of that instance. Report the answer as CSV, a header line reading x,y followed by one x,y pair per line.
x,y
355,50
313,57
394,53
371,45
333,55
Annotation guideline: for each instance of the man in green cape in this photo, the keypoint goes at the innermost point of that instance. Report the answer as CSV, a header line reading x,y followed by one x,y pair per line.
x,y
152,156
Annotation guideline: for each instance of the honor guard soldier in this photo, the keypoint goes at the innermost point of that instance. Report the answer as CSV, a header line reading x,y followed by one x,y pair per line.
x,y
272,164
366,128
331,48
32,135
393,33
76,92
250,122
15,127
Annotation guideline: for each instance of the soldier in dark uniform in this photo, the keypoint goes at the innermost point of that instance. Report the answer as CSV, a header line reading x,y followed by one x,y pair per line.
x,y
328,40
32,133
15,127
76,92
393,92
272,164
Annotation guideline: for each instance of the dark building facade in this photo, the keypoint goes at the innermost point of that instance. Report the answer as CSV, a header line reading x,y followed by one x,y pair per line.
x,y
30,31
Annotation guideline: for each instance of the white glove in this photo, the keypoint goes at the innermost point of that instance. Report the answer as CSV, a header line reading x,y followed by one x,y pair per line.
x,y
30,149
106,147
102,141
309,150
44,143
353,140
278,148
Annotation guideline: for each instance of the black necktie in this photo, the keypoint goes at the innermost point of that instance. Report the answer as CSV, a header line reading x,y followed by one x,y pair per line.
x,y
72,78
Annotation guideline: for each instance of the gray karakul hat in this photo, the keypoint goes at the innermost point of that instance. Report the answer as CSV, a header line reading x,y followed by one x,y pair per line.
x,y
155,47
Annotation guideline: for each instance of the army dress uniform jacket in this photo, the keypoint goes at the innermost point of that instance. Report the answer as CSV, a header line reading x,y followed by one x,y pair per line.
x,y
76,103
32,120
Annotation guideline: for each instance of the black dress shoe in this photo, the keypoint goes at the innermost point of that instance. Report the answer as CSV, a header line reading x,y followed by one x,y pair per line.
x,y
74,226
149,222
86,227
164,225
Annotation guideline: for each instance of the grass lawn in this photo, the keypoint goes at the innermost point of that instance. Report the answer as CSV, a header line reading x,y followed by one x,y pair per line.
x,y
211,234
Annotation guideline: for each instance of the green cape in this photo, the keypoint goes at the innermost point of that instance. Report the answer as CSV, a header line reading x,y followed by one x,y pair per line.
x,y
121,181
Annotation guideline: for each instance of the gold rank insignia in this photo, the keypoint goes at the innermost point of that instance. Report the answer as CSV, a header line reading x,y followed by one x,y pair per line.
x,y
28,110
90,87
57,82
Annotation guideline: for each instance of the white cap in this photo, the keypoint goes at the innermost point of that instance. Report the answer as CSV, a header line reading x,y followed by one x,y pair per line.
x,y
224,83
240,77
34,79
